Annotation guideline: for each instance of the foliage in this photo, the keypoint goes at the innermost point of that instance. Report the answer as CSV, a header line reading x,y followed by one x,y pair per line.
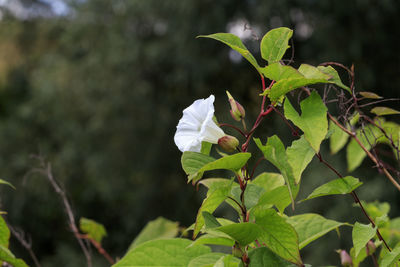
x,y
158,228
261,235
5,254
92,71
93,229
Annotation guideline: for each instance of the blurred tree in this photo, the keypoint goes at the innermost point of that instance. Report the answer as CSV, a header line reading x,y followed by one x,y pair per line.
x,y
98,92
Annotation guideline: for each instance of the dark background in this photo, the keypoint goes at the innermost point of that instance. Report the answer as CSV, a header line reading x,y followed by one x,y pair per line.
x,y
97,88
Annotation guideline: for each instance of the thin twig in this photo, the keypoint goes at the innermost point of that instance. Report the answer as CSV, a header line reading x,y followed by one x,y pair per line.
x,y
383,131
349,71
27,244
369,154
378,101
294,131
47,171
356,200
240,206
99,248
254,168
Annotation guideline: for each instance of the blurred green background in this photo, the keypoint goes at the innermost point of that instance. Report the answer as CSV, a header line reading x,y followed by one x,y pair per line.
x,y
97,88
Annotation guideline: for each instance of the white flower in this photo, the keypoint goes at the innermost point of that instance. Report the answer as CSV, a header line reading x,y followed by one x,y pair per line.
x,y
197,125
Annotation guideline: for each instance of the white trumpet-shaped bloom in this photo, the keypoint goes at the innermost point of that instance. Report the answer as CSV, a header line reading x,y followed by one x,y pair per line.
x,y
197,125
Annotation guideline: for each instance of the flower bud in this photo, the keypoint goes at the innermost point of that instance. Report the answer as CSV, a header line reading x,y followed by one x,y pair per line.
x,y
237,111
345,258
371,248
228,143
236,251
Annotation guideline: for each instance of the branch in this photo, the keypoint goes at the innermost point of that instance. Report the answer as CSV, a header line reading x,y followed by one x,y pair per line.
x,y
356,200
254,168
377,102
27,244
369,154
99,248
294,131
244,212
384,133
46,171
349,71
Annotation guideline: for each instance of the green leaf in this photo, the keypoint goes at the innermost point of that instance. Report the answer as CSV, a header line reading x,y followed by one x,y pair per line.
x,y
376,209
284,86
363,253
192,162
338,139
381,111
390,258
156,229
268,180
206,260
279,197
210,239
214,198
395,223
370,95
339,186
277,71
261,257
232,162
299,156
93,229
4,233
310,75
313,73
175,252
360,258
251,194
236,44
290,81
209,220
383,221
6,183
361,234
274,152
354,118
205,148
228,261
354,153
195,164
312,121
278,235
275,43
335,79
243,233
7,256
222,221
217,182
312,226
221,182
393,130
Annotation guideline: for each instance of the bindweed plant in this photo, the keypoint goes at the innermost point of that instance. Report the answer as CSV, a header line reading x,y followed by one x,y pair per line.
x,y
263,234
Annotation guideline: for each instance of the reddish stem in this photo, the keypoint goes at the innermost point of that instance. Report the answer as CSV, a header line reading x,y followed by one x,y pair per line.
x,y
99,248
255,166
233,127
356,200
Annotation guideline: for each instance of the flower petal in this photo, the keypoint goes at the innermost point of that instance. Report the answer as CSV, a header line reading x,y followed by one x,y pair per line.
x,y
197,125
209,131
